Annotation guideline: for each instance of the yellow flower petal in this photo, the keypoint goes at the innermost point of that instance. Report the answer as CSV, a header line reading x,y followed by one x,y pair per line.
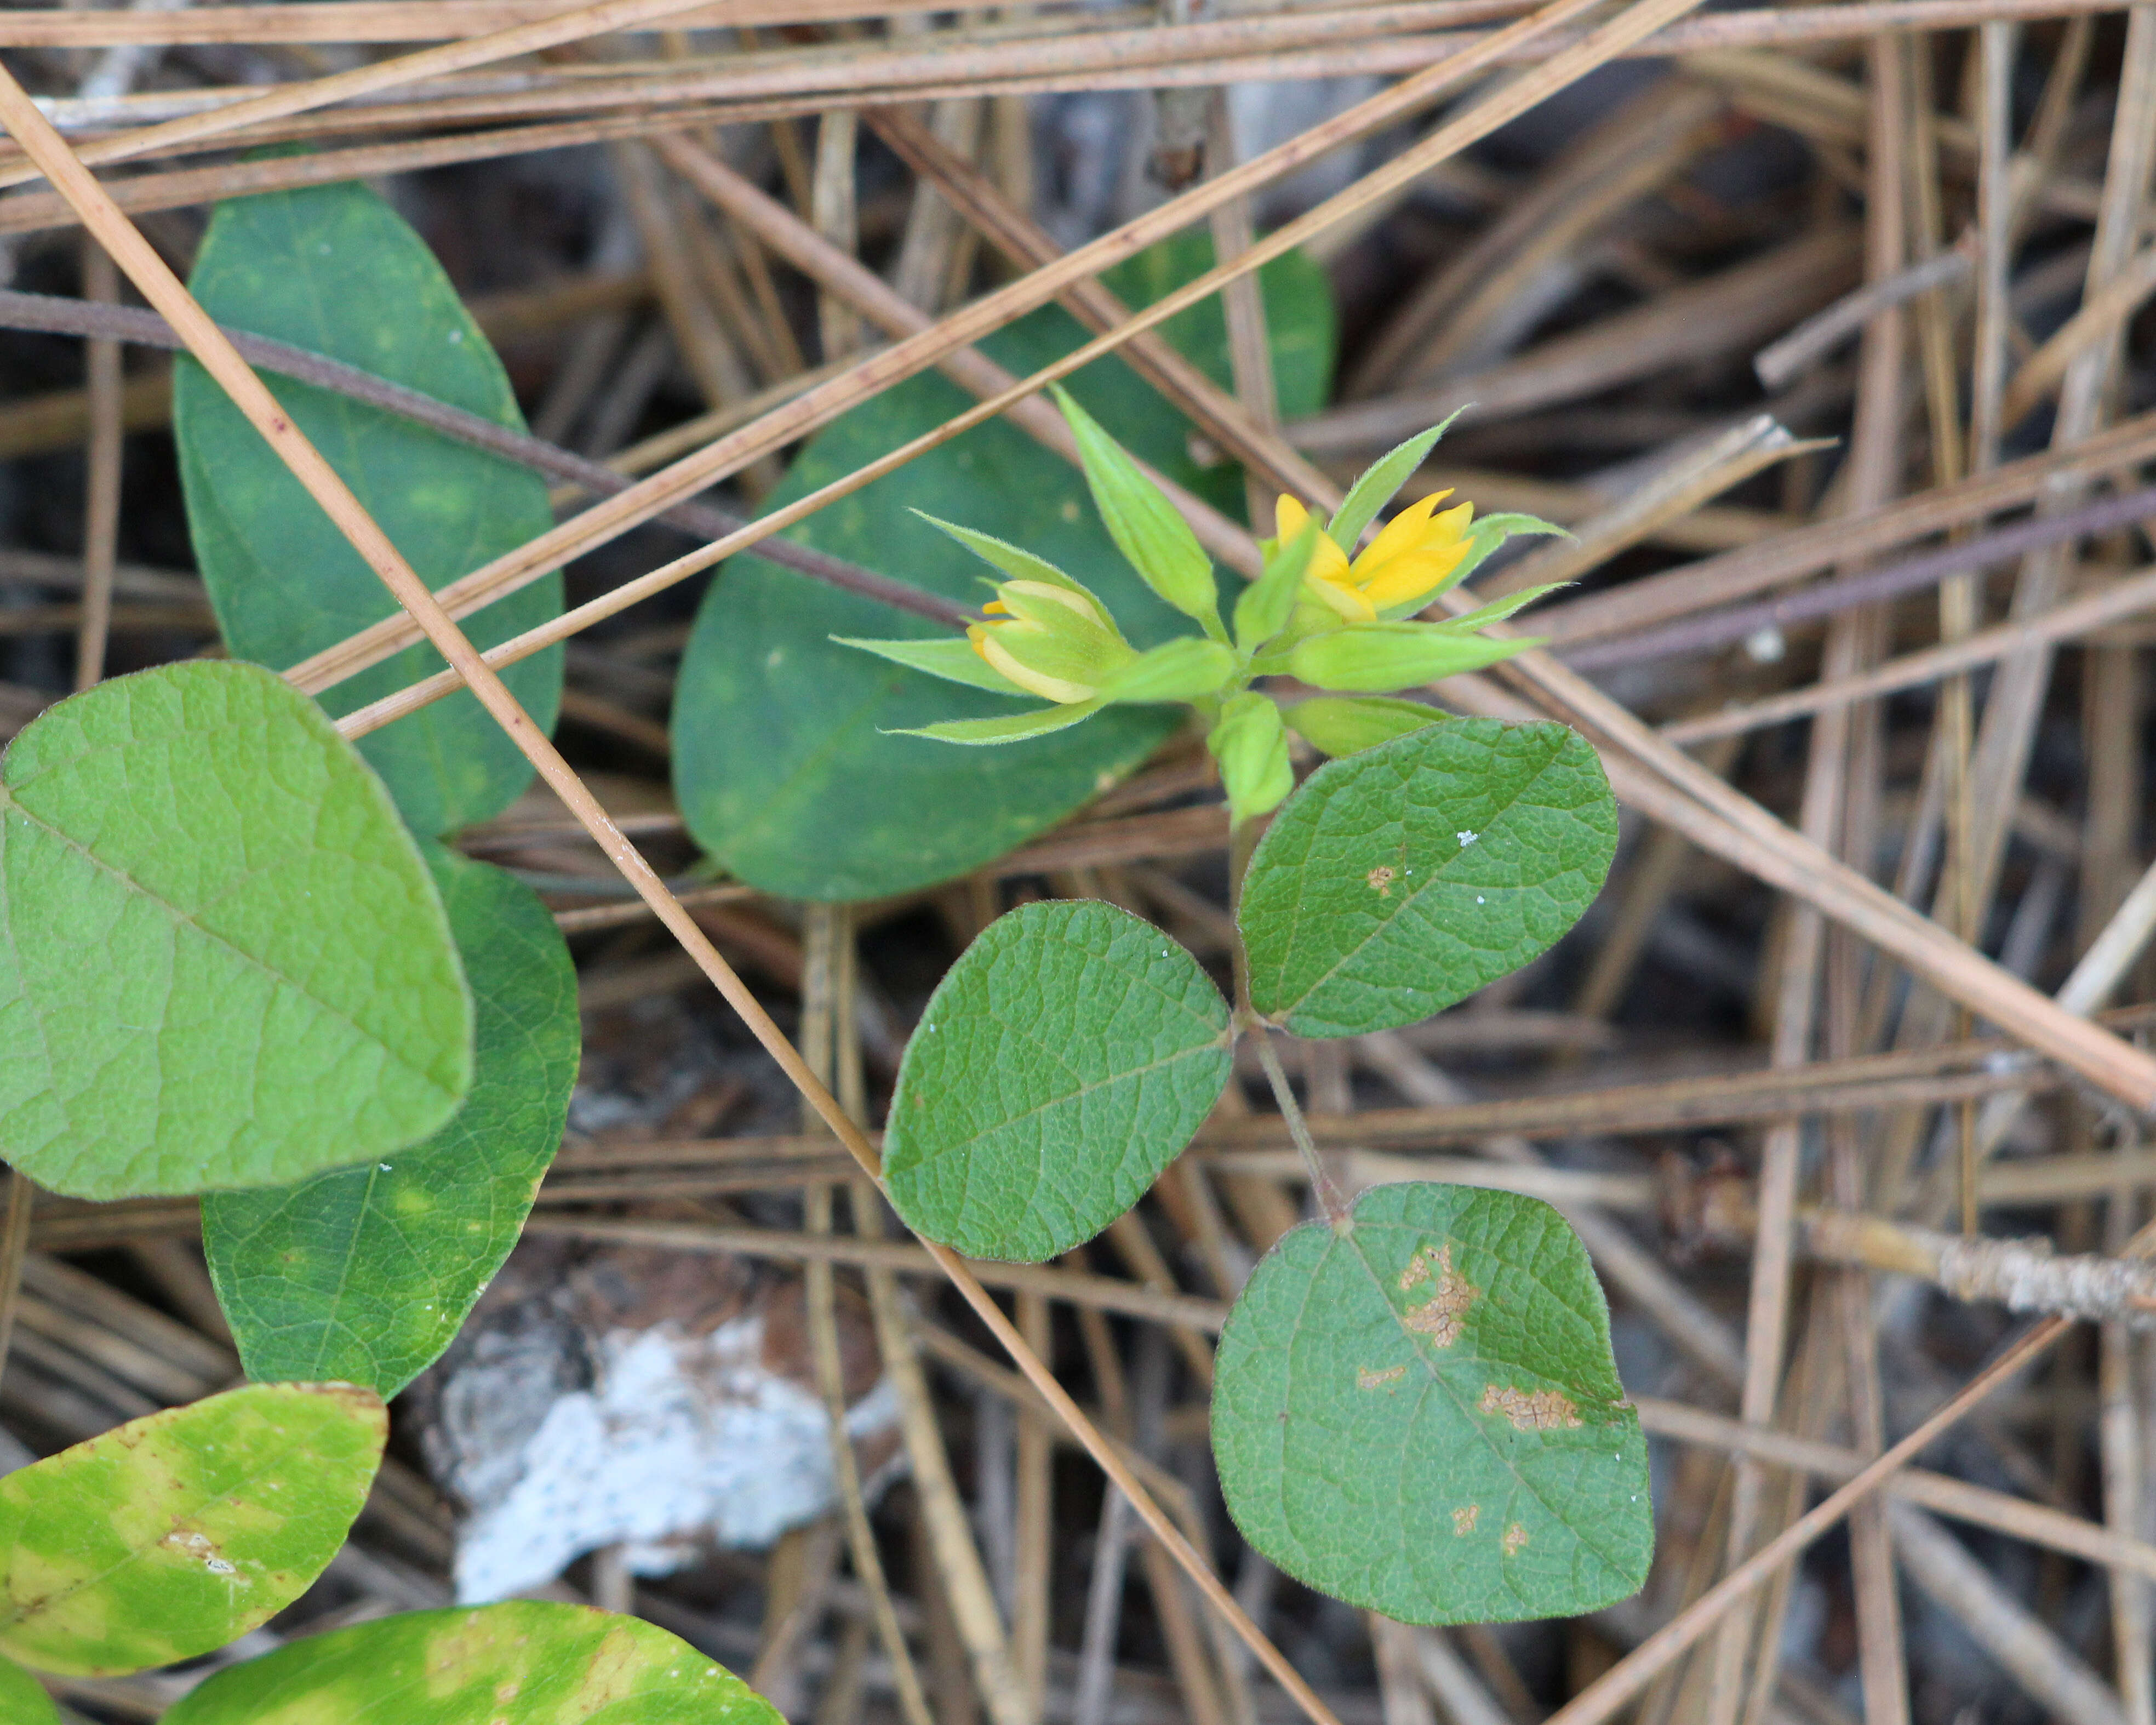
x,y
1328,563
1406,531
1346,601
1412,576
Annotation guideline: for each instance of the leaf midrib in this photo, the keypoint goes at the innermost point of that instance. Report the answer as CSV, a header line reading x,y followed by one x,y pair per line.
x,y
8,802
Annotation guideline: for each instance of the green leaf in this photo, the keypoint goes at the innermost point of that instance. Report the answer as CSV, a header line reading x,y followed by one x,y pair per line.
x,y
366,1274
1147,529
23,1698
1405,877
172,1535
951,659
225,964
1248,741
1380,482
782,759
1418,1413
1062,1063
523,1663
1017,727
1377,657
1263,608
334,270
1347,724
1181,670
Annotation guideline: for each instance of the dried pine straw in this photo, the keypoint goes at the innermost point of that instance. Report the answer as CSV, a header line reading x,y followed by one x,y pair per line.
x,y
1826,332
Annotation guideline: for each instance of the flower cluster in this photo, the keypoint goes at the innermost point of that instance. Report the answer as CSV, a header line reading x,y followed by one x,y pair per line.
x,y
1332,617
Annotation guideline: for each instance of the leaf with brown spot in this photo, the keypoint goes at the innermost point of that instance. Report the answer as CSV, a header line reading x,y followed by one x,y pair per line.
x,y
176,1533
527,1662
1506,1400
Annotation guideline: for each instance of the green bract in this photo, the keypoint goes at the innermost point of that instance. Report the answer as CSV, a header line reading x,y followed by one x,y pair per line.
x,y
172,1535
335,270
1252,746
1147,529
524,1663
227,964
1407,876
1418,1413
1065,1060
365,1274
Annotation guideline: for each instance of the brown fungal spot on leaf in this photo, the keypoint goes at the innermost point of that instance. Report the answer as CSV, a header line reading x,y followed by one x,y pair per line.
x,y
1464,1520
1514,1538
1441,1317
1381,879
1365,1378
193,1542
1531,1409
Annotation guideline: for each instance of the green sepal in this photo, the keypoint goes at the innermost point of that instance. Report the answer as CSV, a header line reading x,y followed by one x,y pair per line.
x,y
954,660
1380,482
1015,561
1497,610
981,733
1249,742
1186,669
1263,609
1147,529
1382,658
1337,724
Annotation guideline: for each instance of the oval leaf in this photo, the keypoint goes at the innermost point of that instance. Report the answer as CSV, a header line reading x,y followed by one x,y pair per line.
x,y
227,964
23,1698
365,1274
172,1535
335,270
1063,1062
523,1663
1403,878
1420,1413
789,758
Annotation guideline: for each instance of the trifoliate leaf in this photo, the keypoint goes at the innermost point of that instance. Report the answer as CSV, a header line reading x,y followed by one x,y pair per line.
x,y
228,965
1403,878
172,1535
1418,1413
336,270
525,1662
366,1274
1063,1062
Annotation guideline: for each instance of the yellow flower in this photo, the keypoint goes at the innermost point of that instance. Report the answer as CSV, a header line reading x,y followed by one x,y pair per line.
x,y
1052,641
1408,561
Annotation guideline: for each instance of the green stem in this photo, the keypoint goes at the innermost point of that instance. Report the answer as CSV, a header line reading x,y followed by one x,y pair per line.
x,y
1329,1198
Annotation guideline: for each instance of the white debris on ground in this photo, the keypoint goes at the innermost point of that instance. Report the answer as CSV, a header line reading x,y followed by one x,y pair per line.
x,y
658,1401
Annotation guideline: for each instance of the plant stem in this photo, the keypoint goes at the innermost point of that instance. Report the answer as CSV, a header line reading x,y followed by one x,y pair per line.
x,y
1329,1199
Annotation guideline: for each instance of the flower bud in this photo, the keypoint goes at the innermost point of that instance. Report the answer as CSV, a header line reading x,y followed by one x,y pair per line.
x,y
1378,659
1252,746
